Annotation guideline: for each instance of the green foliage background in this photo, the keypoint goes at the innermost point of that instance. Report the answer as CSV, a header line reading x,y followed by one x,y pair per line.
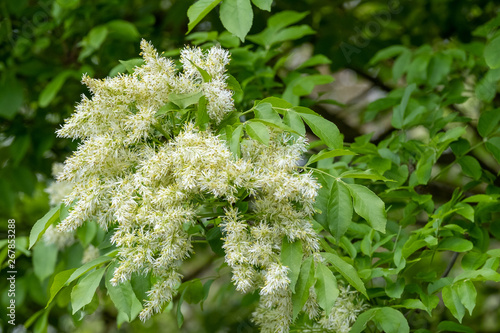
x,y
423,116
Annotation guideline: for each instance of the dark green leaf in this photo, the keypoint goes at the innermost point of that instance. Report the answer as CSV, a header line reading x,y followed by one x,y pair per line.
x,y
328,154
493,145
470,167
202,118
122,294
131,64
388,52
449,326
11,97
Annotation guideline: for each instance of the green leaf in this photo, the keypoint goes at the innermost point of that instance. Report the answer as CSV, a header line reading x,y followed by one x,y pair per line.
x,y
324,129
285,18
87,267
455,244
237,16
293,120
398,115
470,167
84,290
369,206
263,4
58,283
491,53
388,52
315,60
438,69
193,293
452,301
198,11
293,33
305,281
449,326
328,154
487,122
234,141
401,65
493,146
11,97
367,174
202,118
391,321
291,257
50,91
131,64
123,30
42,224
363,319
305,85
44,260
338,212
204,74
214,239
326,288
257,131
122,295
185,100
265,111
276,102
346,270
467,293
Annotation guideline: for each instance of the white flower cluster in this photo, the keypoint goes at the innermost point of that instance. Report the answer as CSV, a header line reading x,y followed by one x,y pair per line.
x,y
344,313
127,174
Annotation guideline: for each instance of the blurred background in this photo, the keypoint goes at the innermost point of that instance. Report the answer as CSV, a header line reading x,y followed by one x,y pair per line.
x,y
46,46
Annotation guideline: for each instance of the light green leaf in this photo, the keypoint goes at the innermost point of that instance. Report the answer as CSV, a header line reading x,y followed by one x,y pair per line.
x,y
198,11
234,141
455,244
470,167
324,129
87,267
276,102
346,270
391,321
452,301
328,154
185,100
59,282
398,115
467,293
367,174
487,122
369,206
122,294
438,69
123,30
305,281
50,91
363,319
326,288
388,52
42,224
237,16
401,65
293,120
315,60
493,145
44,260
265,111
257,131
202,118
285,18
263,4
492,52
84,290
131,64
204,74
291,257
